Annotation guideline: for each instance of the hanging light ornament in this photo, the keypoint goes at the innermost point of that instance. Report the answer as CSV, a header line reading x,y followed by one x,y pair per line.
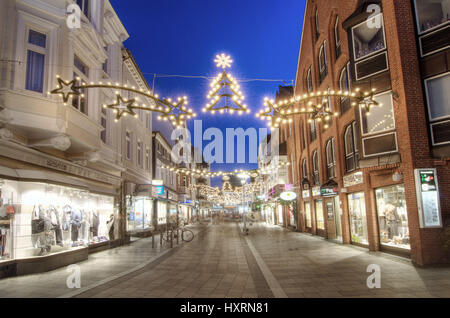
x,y
176,112
232,95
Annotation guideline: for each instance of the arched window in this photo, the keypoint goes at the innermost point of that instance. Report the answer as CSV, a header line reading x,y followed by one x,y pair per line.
x,y
304,169
323,69
331,159
351,147
317,24
312,130
344,85
316,167
337,38
309,81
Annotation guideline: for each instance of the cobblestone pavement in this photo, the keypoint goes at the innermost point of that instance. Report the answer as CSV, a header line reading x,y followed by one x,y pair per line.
x,y
221,262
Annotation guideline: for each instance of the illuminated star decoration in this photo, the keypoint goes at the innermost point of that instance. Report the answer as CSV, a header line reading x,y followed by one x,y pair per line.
x,y
223,61
66,89
178,118
122,107
272,114
366,100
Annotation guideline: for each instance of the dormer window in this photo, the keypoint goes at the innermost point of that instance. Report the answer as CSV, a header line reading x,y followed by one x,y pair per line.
x,y
368,37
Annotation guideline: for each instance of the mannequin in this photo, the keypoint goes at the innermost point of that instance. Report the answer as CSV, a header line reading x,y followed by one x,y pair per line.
x,y
75,221
110,226
56,223
94,223
84,226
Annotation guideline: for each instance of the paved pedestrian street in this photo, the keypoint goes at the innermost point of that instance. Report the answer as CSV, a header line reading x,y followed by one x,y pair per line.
x,y
221,262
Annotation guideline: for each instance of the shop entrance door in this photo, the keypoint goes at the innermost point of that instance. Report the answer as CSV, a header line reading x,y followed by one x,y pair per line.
x,y
334,218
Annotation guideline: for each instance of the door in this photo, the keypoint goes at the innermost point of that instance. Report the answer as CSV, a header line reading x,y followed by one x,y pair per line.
x,y
333,218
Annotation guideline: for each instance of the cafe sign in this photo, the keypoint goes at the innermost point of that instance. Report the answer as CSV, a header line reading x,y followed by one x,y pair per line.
x,y
353,179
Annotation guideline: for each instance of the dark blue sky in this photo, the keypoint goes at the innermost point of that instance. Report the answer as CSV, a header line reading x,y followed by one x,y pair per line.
x,y
182,37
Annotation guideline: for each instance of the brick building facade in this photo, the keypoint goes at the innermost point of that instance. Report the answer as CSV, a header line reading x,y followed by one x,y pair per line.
x,y
357,178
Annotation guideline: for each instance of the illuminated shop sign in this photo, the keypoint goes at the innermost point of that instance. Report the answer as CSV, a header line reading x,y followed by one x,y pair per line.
x,y
353,179
428,198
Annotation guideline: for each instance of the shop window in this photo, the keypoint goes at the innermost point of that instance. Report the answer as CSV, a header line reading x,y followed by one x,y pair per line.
x,y
331,160
139,153
438,100
323,64
128,141
308,215
344,86
358,221
309,81
320,222
351,148
316,173
380,118
36,52
368,37
139,212
392,216
337,38
43,219
430,14
161,212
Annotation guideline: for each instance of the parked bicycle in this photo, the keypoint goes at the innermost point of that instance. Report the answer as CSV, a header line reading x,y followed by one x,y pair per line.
x,y
186,234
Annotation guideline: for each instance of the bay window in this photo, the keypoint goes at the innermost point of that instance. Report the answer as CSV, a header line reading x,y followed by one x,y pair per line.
x,y
438,100
36,52
431,14
381,117
368,37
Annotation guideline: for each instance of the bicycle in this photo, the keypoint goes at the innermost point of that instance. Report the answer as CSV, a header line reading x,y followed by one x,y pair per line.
x,y
186,234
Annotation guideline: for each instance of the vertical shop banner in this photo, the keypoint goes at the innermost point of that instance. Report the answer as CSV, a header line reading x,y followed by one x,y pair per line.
x,y
428,198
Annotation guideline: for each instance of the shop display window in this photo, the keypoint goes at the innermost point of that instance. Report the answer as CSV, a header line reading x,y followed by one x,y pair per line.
x,y
41,219
320,222
280,214
392,216
368,37
358,221
432,13
139,210
161,212
308,215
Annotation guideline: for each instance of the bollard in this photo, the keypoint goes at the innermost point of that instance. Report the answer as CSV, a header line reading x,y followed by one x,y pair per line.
x,y
153,240
160,238
177,237
171,239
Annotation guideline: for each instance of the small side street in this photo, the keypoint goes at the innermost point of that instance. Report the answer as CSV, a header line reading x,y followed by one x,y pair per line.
x,y
218,263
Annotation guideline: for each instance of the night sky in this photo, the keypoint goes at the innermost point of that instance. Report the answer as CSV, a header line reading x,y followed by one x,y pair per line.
x,y
182,37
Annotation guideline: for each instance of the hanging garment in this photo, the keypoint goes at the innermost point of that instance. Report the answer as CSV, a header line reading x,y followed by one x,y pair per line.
x,y
67,213
94,223
37,224
85,225
110,226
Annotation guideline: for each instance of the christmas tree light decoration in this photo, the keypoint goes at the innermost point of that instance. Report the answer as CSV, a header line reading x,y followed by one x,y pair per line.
x,y
283,111
176,112
231,94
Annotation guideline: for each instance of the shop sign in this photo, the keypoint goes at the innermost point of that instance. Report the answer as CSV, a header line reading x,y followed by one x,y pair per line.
x,y
329,189
159,191
288,196
316,191
353,179
305,194
428,198
172,196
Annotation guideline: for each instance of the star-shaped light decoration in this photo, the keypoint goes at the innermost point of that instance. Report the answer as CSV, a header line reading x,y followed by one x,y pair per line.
x,y
177,118
272,114
66,89
366,100
223,61
122,107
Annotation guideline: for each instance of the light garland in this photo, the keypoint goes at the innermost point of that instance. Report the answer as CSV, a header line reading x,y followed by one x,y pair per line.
x,y
283,111
223,81
123,107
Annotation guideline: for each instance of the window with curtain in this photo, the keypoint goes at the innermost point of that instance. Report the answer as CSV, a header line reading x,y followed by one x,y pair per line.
x,y
36,52
316,172
309,81
351,148
337,38
323,67
331,159
344,86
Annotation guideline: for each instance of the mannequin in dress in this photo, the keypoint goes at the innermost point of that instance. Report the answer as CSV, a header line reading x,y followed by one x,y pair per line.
x,y
110,226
